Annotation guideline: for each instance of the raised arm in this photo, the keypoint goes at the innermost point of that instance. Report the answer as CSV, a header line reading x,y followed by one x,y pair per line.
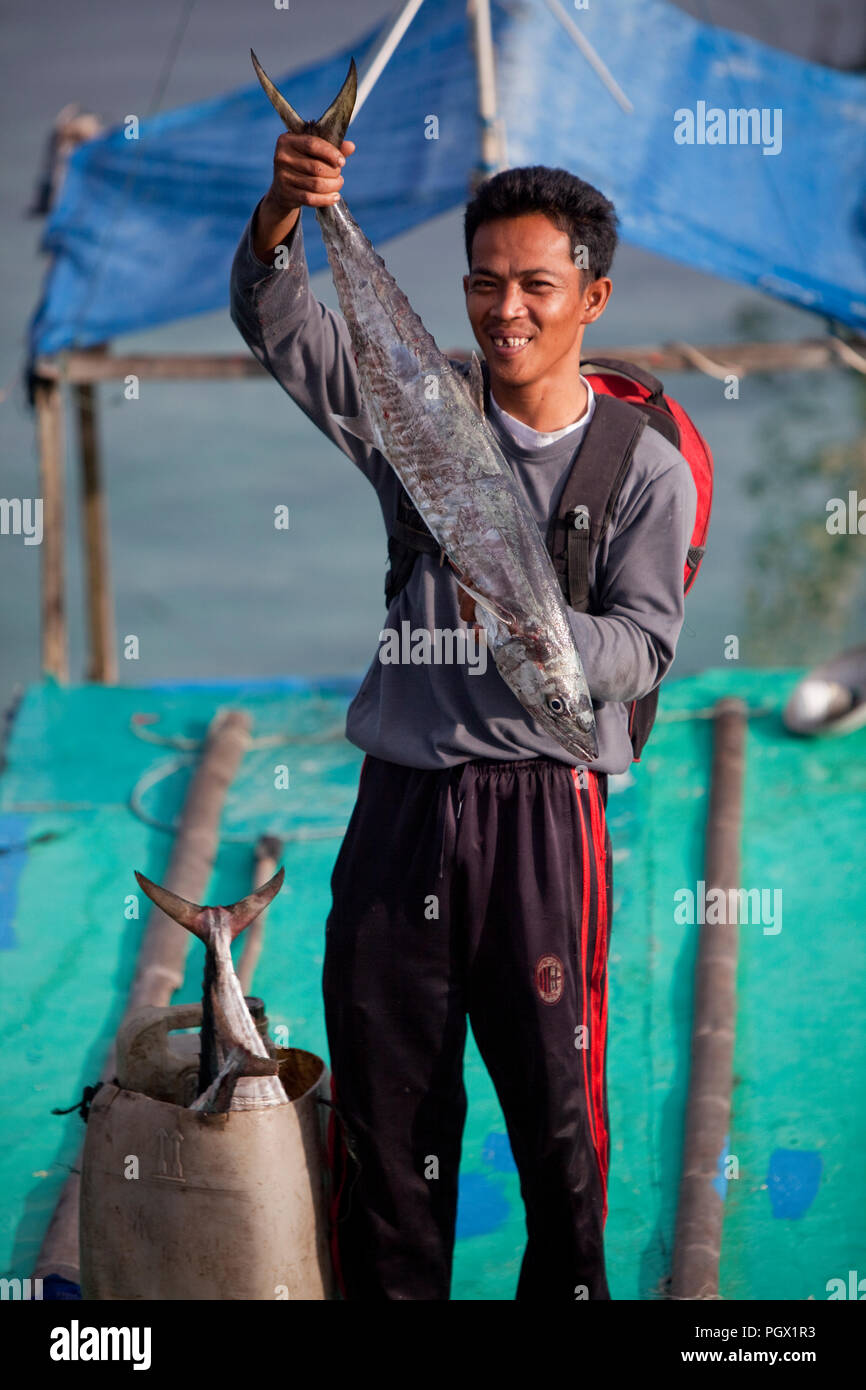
x,y
302,343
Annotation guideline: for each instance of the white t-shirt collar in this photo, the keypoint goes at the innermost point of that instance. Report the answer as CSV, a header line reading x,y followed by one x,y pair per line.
x,y
528,438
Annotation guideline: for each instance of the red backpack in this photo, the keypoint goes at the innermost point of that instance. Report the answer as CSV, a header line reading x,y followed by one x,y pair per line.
x,y
597,474
640,388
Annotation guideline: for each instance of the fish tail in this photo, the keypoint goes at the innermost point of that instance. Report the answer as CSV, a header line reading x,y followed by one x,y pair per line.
x,y
332,124
201,921
240,1062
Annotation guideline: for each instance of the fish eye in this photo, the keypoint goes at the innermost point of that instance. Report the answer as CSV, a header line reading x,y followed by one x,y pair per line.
x,y
555,704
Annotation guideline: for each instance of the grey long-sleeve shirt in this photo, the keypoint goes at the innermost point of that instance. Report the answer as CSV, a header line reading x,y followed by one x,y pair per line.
x,y
436,715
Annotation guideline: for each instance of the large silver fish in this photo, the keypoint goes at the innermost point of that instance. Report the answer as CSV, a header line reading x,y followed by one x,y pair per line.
x,y
428,420
236,1071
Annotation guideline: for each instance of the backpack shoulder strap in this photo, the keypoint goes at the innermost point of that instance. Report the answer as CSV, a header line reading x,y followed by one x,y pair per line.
x,y
408,537
630,371
590,494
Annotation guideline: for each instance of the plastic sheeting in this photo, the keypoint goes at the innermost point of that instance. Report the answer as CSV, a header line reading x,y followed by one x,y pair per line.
x,y
146,228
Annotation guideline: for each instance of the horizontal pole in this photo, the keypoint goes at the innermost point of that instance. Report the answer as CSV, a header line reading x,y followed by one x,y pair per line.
x,y
76,367
731,359
738,359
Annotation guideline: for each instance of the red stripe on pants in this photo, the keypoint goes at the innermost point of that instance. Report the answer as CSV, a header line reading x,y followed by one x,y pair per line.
x,y
597,1016
598,991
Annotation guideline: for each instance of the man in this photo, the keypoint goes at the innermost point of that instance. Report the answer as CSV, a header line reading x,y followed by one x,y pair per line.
x,y
475,875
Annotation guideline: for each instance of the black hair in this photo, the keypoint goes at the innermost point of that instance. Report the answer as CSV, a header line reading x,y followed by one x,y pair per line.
x,y
571,205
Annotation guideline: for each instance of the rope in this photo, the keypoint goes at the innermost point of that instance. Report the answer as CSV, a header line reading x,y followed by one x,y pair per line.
x,y
682,715
137,726
82,1106
158,774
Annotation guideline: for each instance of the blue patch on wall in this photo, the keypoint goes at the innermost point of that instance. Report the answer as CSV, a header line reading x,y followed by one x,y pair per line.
x,y
481,1206
793,1181
497,1152
13,857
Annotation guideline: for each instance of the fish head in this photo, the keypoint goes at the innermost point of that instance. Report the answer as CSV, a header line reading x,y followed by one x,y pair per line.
x,y
545,675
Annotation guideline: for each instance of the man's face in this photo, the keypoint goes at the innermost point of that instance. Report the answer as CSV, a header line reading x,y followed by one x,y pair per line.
x,y
525,286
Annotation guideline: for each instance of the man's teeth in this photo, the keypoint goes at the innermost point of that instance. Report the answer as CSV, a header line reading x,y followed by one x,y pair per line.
x,y
510,342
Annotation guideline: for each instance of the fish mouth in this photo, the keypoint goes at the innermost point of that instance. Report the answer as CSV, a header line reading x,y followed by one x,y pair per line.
x,y
574,740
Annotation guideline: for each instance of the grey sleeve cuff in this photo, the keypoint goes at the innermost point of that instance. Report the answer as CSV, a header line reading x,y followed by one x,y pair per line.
x,y
250,270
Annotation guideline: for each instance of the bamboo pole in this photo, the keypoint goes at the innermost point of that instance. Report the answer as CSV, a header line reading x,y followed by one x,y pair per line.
x,y
492,131
697,1242
600,68
163,949
267,854
102,659
383,53
76,366
49,417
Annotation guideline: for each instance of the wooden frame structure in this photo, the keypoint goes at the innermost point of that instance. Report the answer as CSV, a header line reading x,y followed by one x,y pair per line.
x,y
82,370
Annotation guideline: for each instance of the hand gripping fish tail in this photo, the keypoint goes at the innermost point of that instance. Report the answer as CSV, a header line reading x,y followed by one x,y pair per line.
x,y
447,458
237,1072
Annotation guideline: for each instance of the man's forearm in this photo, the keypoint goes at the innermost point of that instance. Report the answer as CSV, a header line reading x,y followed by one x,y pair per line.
x,y
621,661
273,225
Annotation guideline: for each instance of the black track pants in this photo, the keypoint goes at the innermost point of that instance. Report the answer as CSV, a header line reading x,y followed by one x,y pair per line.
x,y
480,890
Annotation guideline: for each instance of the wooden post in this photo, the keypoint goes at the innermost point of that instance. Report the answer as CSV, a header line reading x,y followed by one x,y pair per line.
x,y
163,950
697,1243
49,416
268,851
102,656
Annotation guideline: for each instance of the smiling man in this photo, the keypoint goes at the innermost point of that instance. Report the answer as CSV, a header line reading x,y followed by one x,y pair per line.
x,y
475,880
528,295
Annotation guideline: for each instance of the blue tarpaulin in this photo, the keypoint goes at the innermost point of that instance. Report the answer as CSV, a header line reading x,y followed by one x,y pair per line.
x,y
146,228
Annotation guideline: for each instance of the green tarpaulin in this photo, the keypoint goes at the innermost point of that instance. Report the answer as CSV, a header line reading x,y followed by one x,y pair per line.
x,y
792,1174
